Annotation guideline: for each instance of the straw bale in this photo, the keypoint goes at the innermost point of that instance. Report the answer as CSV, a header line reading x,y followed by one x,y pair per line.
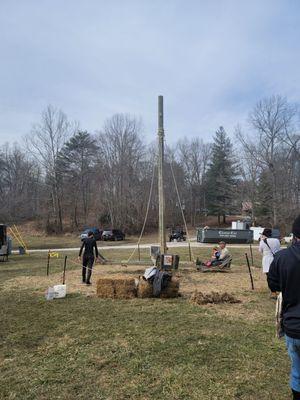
x,y
145,289
105,288
172,290
213,298
125,288
116,287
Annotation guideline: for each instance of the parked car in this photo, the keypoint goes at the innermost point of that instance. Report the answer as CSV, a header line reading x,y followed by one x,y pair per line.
x,y
288,239
113,234
177,235
96,232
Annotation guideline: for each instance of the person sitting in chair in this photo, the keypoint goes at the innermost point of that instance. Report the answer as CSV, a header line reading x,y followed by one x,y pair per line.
x,y
222,254
219,254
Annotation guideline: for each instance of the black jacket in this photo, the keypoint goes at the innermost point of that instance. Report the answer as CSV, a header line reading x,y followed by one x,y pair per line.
x,y
89,244
284,276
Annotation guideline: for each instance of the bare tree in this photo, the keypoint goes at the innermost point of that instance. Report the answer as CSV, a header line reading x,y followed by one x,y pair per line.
x,y
272,143
44,143
121,152
20,188
194,156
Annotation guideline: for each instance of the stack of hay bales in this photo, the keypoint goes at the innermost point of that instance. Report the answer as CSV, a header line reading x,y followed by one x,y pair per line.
x,y
116,287
145,289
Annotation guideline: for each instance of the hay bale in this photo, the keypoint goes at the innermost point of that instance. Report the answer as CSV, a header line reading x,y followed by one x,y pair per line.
x,y
145,289
213,298
172,290
125,288
116,287
105,288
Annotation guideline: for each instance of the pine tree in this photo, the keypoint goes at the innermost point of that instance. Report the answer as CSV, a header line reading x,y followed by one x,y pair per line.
x,y
221,177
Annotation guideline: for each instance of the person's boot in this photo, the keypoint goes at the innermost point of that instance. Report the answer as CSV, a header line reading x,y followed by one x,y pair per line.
x,y
88,280
296,395
83,274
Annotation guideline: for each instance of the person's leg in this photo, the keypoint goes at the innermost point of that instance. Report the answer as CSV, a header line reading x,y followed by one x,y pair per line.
x,y
293,347
89,272
84,265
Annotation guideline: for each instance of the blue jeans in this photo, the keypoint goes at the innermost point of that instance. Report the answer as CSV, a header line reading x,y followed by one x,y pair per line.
x,y
293,347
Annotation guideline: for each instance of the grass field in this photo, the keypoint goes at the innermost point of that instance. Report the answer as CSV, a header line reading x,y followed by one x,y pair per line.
x,y
82,347
40,241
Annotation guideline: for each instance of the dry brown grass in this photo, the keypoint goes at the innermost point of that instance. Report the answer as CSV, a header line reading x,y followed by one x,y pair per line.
x,y
235,282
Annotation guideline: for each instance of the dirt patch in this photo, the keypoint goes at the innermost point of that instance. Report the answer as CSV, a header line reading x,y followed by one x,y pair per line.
x,y
213,298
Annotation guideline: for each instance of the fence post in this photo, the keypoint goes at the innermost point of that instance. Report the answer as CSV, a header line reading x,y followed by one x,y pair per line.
x,y
48,262
251,253
190,253
64,273
249,269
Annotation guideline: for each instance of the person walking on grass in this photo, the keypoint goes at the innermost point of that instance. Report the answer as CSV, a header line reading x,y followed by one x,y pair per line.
x,y
89,246
268,247
284,277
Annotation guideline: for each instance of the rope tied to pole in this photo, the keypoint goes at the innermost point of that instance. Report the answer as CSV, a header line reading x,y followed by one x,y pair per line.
x,y
146,216
182,213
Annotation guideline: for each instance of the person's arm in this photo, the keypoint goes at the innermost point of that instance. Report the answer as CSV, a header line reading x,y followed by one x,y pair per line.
x,y
261,246
273,277
96,249
81,249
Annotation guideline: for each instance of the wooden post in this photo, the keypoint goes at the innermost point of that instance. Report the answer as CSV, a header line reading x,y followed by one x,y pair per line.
x,y
161,199
249,269
190,253
64,272
139,252
251,253
48,262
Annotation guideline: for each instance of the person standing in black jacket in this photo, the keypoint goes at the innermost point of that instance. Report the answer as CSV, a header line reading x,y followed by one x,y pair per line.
x,y
89,245
284,276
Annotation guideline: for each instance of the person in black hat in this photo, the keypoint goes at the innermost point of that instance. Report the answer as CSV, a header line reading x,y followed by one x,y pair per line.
x,y
268,247
89,245
284,277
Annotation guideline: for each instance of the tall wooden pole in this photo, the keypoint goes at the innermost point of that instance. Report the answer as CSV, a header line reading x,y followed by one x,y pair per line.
x,y
161,198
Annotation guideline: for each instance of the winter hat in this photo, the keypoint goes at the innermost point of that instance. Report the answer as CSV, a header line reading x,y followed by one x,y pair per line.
x,y
267,232
296,227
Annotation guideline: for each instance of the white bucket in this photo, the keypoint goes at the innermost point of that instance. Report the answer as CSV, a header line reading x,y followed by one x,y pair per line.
x,y
60,291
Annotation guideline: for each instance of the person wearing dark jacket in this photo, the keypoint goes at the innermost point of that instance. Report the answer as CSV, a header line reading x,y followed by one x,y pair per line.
x,y
284,277
89,246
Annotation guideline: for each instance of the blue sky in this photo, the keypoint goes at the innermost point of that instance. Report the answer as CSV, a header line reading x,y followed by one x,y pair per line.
x,y
212,61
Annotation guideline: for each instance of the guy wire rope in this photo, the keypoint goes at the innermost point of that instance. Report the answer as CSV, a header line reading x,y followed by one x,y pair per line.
x,y
146,216
182,213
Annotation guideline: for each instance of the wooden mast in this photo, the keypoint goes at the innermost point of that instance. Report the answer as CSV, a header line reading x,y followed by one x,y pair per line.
x,y
161,197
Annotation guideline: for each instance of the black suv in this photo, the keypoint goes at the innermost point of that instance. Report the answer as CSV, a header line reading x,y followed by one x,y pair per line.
x,y
113,234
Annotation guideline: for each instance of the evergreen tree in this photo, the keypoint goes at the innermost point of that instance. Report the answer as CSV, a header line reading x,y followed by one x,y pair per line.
x,y
221,177
75,164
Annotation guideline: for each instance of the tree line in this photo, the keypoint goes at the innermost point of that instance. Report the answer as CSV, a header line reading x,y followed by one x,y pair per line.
x,y
66,178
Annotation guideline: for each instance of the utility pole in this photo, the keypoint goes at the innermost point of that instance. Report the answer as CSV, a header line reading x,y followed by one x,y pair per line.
x,y
161,197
